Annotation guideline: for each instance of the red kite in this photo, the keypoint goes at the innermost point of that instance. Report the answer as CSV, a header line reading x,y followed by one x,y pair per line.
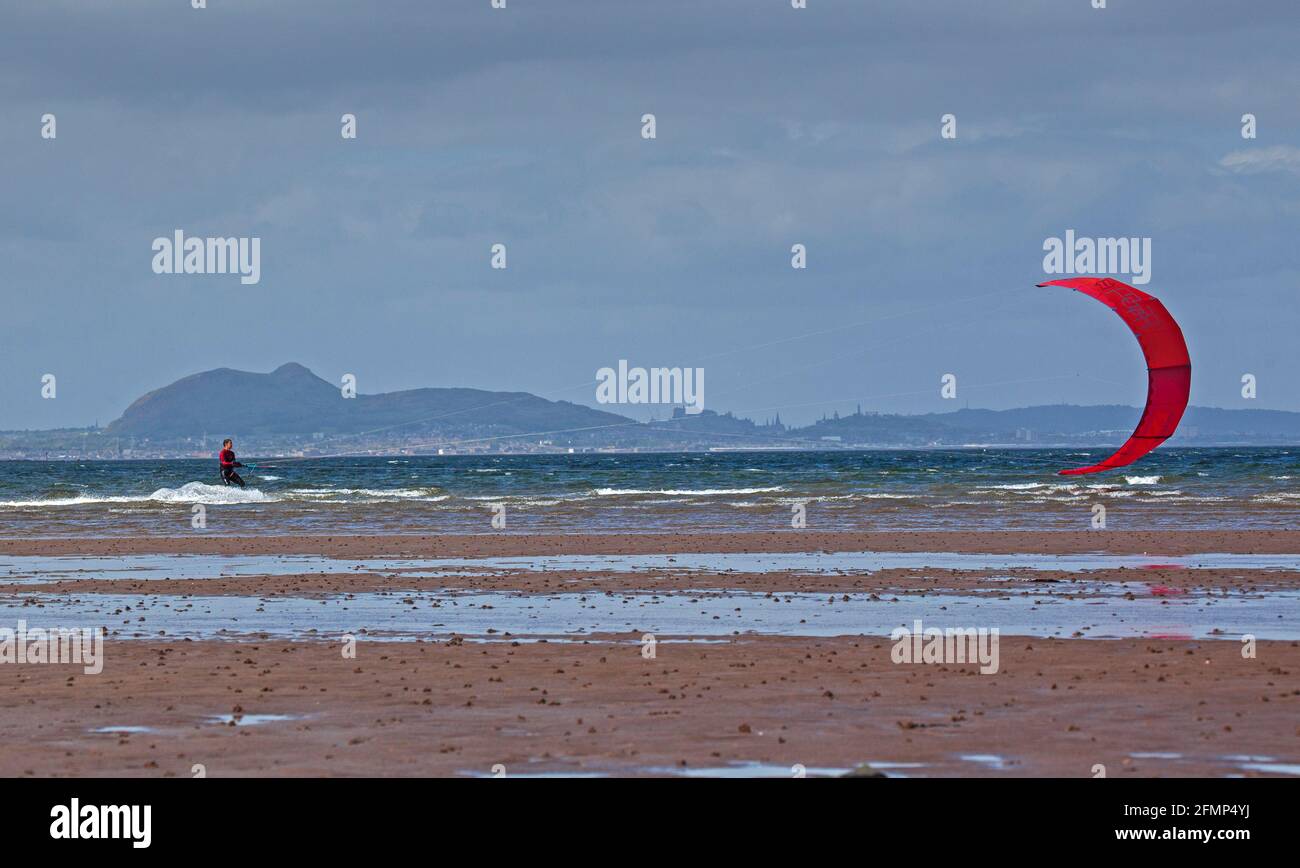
x,y
1169,368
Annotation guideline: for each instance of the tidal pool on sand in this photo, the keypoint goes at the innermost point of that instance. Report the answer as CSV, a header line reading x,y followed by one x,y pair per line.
x,y
32,569
704,614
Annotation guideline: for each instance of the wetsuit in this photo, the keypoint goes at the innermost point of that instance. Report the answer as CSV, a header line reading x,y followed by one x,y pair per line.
x,y
228,465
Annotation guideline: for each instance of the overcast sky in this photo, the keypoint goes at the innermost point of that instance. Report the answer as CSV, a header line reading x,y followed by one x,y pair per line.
x,y
522,126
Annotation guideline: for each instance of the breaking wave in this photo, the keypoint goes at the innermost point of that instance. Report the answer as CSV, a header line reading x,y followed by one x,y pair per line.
x,y
190,492
199,492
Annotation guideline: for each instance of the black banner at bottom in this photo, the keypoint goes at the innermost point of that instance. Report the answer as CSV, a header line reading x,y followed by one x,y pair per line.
x,y
217,817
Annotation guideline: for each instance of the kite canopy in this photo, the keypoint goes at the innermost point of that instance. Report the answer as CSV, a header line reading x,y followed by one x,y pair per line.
x,y
1169,369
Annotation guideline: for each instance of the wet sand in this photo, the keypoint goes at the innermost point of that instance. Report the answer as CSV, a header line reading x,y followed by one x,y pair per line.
x,y
596,705
503,545
1056,708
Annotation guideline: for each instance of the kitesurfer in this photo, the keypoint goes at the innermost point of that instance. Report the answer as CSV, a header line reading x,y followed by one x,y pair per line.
x,y
228,464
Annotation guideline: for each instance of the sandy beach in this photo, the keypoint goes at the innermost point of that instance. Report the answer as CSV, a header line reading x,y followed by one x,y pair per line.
x,y
447,697
1058,708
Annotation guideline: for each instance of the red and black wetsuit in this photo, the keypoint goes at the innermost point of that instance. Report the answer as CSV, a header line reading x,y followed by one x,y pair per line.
x,y
228,465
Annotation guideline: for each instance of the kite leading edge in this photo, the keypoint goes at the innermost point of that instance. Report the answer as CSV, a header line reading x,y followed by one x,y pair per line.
x,y
1169,368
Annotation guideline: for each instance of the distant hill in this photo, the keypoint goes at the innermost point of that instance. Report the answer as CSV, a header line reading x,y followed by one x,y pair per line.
x,y
1055,423
291,400
293,411
1069,419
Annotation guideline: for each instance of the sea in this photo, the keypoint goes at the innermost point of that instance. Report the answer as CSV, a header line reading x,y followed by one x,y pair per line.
x,y
949,489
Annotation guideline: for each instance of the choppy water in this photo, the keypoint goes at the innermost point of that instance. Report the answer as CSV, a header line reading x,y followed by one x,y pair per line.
x,y
881,490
